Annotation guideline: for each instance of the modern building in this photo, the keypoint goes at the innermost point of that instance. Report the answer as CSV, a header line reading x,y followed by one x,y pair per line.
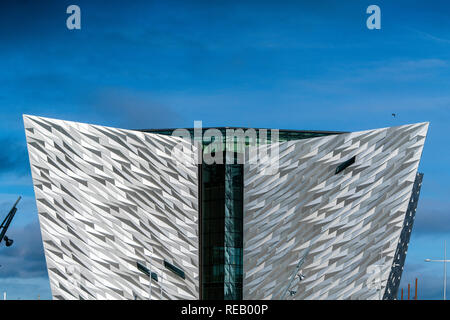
x,y
316,215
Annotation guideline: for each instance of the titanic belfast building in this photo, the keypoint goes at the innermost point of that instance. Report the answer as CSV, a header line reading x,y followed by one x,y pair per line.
x,y
154,214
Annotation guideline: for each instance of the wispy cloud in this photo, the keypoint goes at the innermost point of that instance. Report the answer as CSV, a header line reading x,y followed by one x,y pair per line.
x,y
13,157
432,218
429,36
132,109
342,78
25,289
25,258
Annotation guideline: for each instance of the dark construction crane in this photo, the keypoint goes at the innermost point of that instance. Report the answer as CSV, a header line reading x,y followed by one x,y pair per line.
x,y
5,224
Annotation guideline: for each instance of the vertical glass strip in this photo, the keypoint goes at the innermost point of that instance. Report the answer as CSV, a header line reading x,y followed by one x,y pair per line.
x,y
233,232
213,231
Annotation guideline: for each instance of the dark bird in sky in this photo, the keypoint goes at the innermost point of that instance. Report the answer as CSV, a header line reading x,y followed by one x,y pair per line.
x,y
393,115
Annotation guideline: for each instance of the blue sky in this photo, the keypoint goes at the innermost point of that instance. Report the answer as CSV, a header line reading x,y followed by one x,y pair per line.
x,y
280,64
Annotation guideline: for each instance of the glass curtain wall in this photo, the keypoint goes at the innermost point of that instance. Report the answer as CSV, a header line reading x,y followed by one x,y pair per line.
x,y
222,216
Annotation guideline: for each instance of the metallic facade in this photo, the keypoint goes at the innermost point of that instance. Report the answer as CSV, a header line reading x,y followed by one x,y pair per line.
x,y
110,198
350,222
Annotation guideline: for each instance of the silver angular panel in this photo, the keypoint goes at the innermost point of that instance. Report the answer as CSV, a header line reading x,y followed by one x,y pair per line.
x,y
109,198
343,229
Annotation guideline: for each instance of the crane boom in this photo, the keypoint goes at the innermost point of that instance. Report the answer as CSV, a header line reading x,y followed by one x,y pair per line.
x,y
7,221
